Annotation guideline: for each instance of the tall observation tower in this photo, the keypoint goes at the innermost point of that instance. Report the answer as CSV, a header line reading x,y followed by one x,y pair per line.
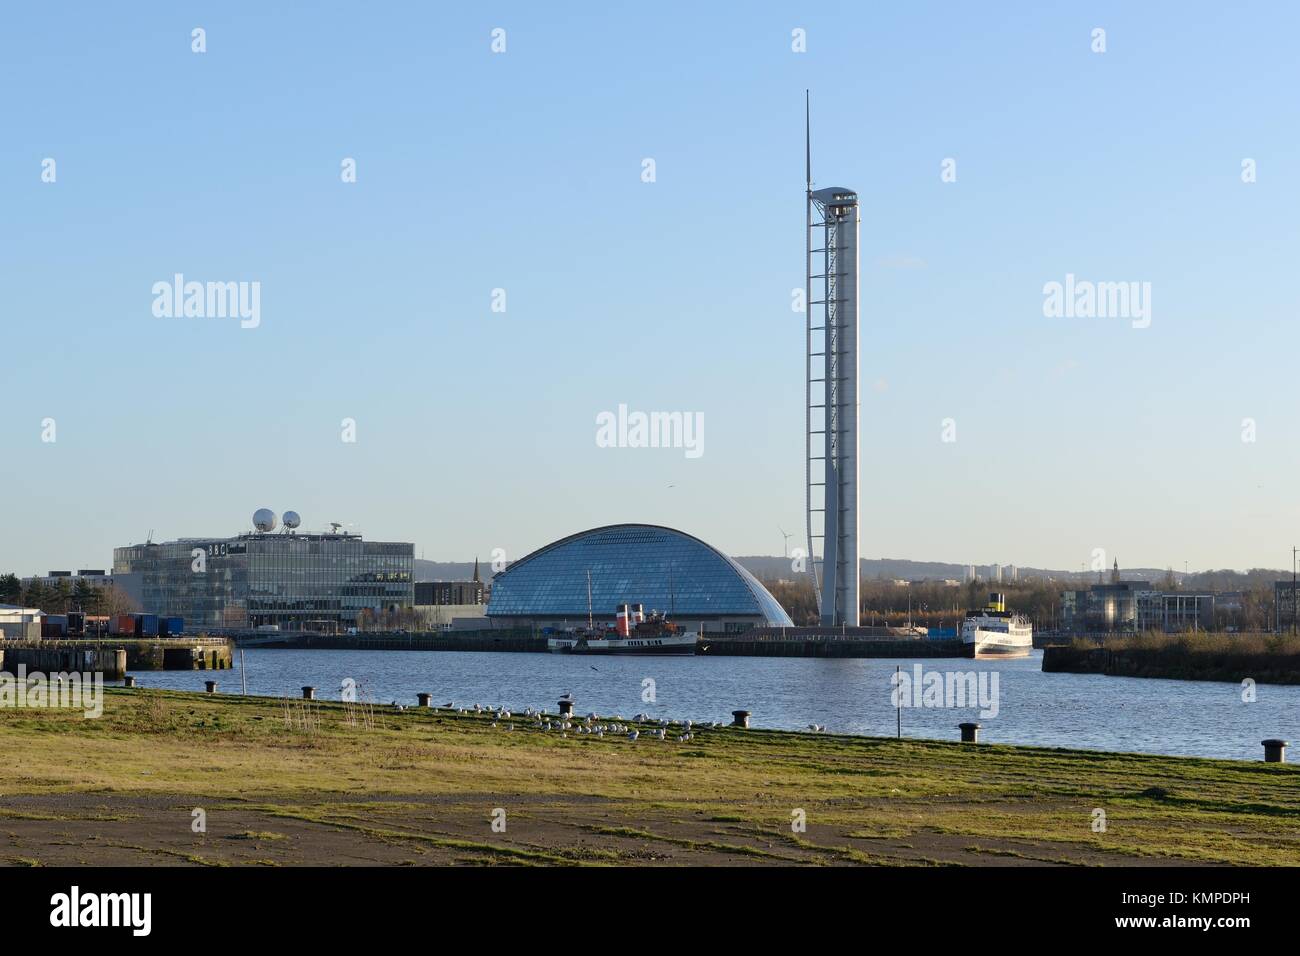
x,y
832,395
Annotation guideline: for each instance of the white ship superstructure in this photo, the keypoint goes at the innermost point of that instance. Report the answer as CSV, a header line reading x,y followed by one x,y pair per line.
x,y
994,631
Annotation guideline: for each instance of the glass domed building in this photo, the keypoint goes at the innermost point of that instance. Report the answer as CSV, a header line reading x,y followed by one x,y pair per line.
x,y
659,568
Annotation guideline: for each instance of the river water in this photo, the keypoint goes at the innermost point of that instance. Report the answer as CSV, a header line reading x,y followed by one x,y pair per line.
x,y
1084,711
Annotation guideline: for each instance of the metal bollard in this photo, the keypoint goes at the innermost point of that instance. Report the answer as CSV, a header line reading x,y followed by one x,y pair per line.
x,y
970,732
1275,750
566,708
741,718
128,681
309,693
424,699
211,685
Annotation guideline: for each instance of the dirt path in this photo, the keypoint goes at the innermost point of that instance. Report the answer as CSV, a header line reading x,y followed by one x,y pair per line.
x,y
324,830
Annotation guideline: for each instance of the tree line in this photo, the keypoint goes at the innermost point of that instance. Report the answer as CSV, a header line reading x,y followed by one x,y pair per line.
x,y
935,604
65,596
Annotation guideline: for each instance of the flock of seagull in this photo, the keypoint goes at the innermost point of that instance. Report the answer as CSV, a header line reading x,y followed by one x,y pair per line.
x,y
592,725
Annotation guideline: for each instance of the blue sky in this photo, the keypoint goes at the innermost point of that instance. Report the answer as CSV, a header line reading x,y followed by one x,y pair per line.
x,y
522,171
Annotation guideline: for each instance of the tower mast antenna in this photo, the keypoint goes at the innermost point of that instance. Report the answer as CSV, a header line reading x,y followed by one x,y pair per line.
x,y
807,144
838,585
808,350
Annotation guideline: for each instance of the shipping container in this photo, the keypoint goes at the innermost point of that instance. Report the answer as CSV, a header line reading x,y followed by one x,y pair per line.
x,y
146,625
171,626
54,625
123,626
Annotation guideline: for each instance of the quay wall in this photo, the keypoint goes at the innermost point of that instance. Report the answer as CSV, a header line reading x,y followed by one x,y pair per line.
x,y
764,642
1172,664
50,657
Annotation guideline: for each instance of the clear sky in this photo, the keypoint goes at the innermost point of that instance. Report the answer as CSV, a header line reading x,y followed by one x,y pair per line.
x,y
523,171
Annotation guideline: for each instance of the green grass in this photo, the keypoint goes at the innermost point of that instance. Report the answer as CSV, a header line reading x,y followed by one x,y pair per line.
x,y
861,795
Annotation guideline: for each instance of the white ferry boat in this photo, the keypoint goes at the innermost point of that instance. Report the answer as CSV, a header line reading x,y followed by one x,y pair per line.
x,y
996,632
633,633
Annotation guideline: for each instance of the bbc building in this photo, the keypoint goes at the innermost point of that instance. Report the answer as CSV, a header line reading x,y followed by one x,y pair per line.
x,y
295,581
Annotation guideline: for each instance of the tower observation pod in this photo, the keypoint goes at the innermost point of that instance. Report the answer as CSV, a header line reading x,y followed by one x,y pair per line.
x,y
832,397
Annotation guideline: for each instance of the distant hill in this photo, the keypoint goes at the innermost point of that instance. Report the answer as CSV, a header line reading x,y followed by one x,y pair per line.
x,y
774,569
451,570
902,569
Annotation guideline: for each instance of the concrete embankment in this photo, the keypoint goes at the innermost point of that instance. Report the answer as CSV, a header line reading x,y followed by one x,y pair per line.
x,y
501,640
135,655
763,646
763,642
1172,663
178,655
53,657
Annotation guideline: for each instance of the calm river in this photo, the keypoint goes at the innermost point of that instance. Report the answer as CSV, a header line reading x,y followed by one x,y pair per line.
x,y
847,696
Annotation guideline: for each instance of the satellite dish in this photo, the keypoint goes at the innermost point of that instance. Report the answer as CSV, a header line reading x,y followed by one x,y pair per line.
x,y
264,519
291,519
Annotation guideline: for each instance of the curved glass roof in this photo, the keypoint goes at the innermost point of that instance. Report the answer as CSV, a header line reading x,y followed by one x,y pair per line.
x,y
662,569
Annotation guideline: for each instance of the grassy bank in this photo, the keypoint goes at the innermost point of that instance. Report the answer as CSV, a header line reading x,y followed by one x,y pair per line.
x,y
1265,658
331,783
